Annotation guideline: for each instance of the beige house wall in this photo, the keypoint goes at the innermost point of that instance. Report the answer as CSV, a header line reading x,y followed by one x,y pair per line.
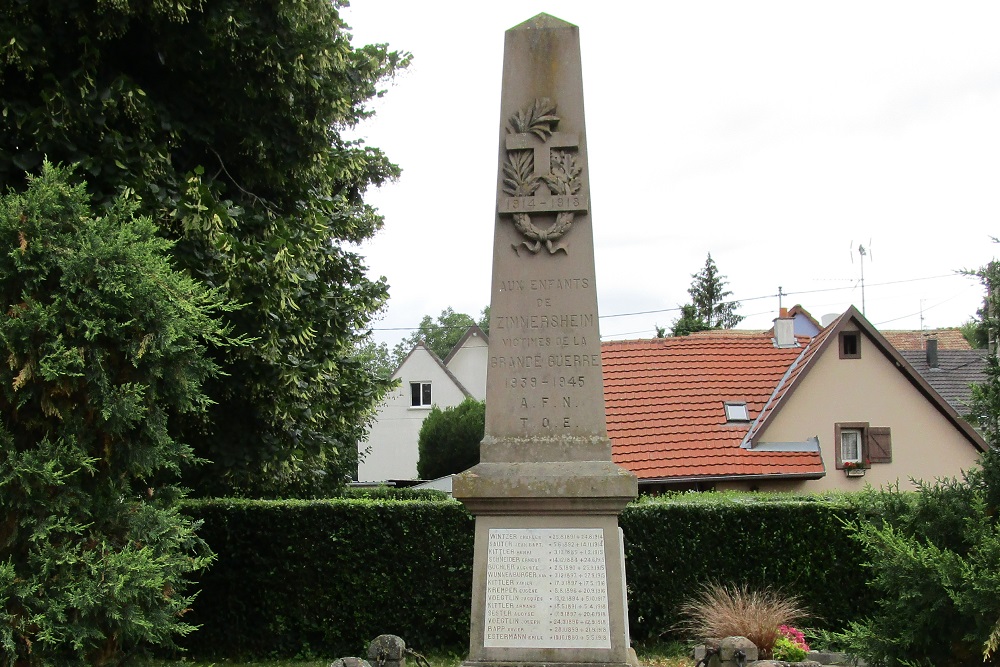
x,y
925,444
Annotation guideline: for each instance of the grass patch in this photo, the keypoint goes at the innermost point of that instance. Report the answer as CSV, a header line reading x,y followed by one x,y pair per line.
x,y
660,654
664,654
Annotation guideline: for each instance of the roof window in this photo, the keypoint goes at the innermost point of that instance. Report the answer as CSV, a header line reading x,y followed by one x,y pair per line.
x,y
737,411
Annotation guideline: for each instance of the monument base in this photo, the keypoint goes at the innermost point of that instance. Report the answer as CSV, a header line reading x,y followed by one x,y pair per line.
x,y
548,583
548,590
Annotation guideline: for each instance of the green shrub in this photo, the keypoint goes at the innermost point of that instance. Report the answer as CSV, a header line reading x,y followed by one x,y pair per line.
x,y
785,649
392,493
103,345
933,559
449,439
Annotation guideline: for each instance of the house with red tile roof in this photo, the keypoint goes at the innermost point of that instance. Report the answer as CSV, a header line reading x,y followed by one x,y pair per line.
x,y
776,411
950,338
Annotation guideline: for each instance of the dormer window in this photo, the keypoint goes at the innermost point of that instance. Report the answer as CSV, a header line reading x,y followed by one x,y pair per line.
x,y
850,344
737,412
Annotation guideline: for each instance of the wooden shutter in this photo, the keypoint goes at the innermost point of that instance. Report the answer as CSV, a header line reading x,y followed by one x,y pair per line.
x,y
879,444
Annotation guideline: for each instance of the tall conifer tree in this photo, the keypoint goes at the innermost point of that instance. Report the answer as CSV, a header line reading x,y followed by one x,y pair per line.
x,y
709,308
104,346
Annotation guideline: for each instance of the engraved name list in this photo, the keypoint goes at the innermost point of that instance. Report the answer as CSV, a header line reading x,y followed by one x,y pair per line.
x,y
546,588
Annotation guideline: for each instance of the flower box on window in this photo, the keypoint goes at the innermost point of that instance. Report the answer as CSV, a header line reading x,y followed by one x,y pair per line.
x,y
855,468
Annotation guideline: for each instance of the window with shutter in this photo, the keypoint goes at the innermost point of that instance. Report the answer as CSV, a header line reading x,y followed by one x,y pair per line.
x,y
879,444
850,444
859,443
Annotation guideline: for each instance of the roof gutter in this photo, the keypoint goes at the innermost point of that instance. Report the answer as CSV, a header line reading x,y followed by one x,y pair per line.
x,y
731,478
748,438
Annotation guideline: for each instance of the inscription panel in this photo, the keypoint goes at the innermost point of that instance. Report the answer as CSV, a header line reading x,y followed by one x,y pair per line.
x,y
545,353
542,203
546,588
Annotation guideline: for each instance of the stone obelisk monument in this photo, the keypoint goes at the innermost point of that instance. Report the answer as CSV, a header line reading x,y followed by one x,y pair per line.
x,y
549,576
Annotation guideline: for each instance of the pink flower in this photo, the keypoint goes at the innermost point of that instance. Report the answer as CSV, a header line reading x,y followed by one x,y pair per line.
x,y
795,636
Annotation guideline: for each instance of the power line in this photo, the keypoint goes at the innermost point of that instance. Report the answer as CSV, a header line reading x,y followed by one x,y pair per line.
x,y
903,317
743,300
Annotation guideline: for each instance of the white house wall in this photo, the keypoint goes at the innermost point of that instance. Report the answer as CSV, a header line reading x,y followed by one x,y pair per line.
x,y
469,363
392,442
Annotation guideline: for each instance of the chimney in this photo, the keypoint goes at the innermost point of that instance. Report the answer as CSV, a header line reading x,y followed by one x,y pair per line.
x,y
932,352
784,330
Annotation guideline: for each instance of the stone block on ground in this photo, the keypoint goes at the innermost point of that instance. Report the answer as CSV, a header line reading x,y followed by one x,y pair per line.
x,y
730,646
350,662
387,651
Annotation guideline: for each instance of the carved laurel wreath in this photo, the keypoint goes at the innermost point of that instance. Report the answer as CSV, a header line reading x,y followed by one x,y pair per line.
x,y
520,179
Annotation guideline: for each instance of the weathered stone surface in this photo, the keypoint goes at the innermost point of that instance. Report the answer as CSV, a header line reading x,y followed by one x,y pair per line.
x,y
834,658
350,662
387,651
729,647
548,576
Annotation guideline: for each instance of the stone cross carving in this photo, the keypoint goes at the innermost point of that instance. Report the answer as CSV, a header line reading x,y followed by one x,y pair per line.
x,y
533,185
541,150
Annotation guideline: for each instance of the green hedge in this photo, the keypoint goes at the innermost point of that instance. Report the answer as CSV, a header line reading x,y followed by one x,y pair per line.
x,y
301,578
392,493
795,545
326,577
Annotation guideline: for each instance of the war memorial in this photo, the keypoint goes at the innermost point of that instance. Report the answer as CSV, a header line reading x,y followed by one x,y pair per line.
x,y
549,575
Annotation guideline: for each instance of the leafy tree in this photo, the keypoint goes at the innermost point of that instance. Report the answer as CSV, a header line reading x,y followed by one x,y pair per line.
x,y
688,323
104,345
377,357
974,333
934,554
442,334
976,330
708,308
449,439
226,118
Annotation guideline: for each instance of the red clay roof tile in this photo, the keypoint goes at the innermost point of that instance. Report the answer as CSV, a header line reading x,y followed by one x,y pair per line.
x,y
948,339
664,399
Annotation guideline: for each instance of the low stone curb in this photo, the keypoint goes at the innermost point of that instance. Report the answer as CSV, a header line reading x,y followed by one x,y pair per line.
x,y
814,658
833,658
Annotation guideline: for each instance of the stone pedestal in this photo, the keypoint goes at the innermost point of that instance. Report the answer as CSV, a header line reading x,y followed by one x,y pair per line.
x,y
549,576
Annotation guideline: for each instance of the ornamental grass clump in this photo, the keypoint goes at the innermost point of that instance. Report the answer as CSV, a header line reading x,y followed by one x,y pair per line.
x,y
739,611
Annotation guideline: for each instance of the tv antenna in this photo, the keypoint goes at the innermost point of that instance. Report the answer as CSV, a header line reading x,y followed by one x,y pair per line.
x,y
862,253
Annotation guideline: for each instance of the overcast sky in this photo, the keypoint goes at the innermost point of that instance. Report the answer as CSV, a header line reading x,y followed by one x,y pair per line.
x,y
776,135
